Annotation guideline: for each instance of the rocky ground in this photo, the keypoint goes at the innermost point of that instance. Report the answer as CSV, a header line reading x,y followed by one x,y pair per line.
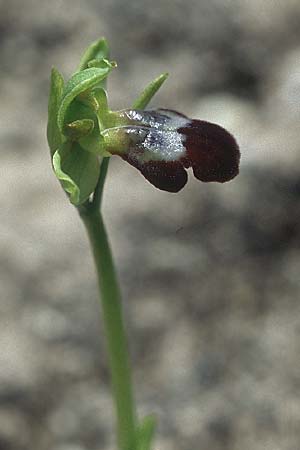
x,y
210,276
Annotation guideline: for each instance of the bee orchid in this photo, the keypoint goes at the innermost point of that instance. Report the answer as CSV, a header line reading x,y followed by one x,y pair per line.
x,y
163,143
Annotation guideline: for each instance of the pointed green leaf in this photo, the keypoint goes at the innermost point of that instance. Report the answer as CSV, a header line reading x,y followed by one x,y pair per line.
x,y
142,101
97,50
145,433
55,96
77,170
79,83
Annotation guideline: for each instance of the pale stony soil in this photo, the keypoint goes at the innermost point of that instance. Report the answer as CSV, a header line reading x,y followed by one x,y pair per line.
x,y
210,276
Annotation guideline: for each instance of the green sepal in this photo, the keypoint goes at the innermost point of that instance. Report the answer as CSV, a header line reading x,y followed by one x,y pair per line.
x,y
145,433
144,98
79,129
54,135
80,82
77,170
97,50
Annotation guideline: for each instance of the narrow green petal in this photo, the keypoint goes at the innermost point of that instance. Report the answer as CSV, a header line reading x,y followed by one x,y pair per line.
x,y
145,97
54,135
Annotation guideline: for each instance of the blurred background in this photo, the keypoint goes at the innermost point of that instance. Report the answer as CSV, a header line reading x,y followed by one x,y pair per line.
x,y
210,276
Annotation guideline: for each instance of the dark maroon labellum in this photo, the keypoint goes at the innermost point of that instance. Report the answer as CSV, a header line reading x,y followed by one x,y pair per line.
x,y
212,152
162,144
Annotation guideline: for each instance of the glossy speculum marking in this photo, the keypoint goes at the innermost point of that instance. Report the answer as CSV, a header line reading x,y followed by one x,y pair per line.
x,y
162,144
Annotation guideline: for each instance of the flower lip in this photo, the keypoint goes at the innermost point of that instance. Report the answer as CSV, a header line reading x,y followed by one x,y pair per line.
x,y
161,144
212,151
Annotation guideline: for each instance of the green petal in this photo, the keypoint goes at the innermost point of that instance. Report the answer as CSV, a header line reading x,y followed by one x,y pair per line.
x,y
142,101
97,50
79,83
54,135
77,170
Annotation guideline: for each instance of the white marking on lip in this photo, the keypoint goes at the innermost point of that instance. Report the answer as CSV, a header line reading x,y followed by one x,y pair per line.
x,y
148,144
164,145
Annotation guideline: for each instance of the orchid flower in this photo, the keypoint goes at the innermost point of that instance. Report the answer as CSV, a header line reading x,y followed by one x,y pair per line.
x,y
163,143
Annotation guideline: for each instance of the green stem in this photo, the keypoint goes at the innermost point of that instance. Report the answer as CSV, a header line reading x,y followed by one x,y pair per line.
x,y
114,329
130,435
97,197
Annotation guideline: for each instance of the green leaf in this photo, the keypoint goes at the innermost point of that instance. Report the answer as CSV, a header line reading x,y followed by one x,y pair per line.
x,y
77,170
142,101
97,50
145,433
54,135
79,83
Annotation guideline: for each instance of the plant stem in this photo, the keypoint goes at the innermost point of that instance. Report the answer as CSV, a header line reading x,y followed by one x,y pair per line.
x,y
97,198
90,213
114,329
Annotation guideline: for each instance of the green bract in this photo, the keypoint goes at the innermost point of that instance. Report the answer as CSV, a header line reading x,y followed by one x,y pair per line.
x,y
145,433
